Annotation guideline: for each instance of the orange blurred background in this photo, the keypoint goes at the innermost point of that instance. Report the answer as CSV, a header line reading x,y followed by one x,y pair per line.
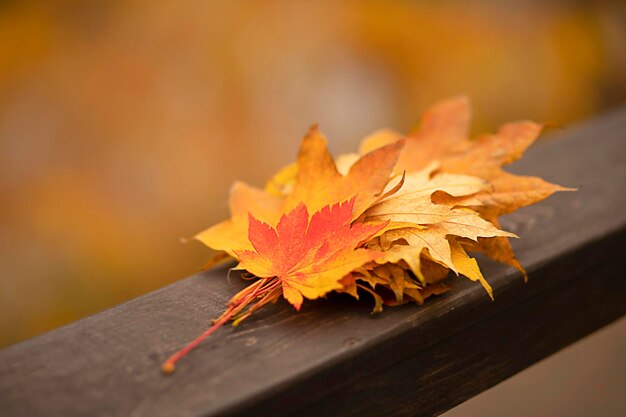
x,y
123,124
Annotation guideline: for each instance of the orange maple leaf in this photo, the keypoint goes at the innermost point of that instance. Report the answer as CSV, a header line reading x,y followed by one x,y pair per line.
x,y
299,258
310,258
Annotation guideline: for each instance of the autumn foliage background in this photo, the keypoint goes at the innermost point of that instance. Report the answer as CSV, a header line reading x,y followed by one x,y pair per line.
x,y
123,125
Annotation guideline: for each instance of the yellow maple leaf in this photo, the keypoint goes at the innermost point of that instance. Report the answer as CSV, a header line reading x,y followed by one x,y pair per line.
x,y
318,182
443,137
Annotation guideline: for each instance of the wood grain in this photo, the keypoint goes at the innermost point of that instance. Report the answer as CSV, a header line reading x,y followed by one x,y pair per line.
x,y
333,358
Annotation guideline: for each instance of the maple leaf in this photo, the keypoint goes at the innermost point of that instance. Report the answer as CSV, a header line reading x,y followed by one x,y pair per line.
x,y
318,182
443,137
422,225
316,179
313,181
310,258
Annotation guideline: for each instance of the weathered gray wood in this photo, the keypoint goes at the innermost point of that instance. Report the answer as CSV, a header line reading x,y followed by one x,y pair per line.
x,y
333,357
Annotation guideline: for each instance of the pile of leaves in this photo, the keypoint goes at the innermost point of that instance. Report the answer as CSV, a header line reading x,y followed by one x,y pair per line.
x,y
390,221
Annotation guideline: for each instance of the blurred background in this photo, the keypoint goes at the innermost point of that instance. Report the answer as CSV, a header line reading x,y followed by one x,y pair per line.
x,y
123,124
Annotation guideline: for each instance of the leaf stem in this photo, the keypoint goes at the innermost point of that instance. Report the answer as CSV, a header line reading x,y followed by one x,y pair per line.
x,y
266,289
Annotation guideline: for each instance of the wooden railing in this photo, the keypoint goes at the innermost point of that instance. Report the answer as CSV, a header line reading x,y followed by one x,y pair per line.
x,y
333,358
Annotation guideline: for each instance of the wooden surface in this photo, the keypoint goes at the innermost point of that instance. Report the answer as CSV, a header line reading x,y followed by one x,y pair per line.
x,y
333,358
